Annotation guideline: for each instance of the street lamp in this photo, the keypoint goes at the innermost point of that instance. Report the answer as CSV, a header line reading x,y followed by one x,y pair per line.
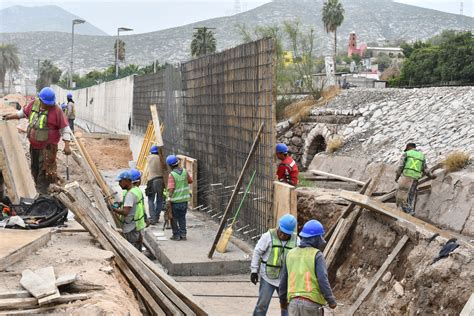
x,y
74,22
123,29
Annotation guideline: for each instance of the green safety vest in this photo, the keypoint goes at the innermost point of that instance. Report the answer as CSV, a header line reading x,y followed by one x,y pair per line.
x,y
277,254
414,164
181,189
38,121
302,279
139,217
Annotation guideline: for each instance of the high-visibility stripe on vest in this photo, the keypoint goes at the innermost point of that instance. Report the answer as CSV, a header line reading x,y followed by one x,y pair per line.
x,y
139,217
38,119
181,187
278,254
302,278
414,164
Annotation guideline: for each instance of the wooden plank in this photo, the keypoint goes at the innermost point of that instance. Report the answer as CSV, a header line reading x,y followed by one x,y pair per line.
x,y
105,136
284,200
339,238
62,280
468,309
47,274
156,124
368,288
30,302
19,181
335,176
235,192
190,164
21,243
66,279
37,286
331,240
15,294
80,212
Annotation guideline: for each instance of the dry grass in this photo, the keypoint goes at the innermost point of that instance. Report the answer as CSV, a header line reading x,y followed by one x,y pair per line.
x,y
301,109
455,161
334,144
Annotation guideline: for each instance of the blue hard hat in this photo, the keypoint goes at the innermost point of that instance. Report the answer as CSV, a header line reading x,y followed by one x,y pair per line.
x,y
312,228
281,148
154,149
124,175
136,174
63,105
47,96
69,95
171,160
287,224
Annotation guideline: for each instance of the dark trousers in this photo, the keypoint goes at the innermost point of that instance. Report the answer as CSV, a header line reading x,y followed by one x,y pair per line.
x,y
178,224
155,198
43,167
71,124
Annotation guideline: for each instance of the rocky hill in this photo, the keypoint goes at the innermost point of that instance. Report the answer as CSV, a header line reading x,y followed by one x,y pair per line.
x,y
49,18
371,19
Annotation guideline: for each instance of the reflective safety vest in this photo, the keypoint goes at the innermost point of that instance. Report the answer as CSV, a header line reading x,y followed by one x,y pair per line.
x,y
414,164
38,123
181,187
291,173
139,217
278,254
302,278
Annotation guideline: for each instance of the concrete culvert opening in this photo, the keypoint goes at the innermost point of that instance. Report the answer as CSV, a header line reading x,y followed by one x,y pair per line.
x,y
318,144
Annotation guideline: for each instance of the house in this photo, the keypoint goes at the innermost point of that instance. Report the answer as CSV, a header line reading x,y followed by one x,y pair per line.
x,y
353,49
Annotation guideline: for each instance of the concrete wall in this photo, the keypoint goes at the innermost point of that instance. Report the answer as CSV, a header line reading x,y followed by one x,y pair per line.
x,y
108,105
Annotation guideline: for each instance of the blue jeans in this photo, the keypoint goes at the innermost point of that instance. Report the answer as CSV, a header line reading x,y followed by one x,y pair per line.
x,y
178,224
265,293
155,198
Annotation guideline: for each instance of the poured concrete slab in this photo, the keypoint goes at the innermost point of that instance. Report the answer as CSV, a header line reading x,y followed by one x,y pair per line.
x,y
186,258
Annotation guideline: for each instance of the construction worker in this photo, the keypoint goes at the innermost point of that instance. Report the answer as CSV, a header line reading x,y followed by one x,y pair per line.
x,y
178,196
154,188
287,169
132,210
70,111
269,257
411,167
47,123
304,285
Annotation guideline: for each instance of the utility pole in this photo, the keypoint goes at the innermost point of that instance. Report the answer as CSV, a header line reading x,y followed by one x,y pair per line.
x,y
74,22
123,29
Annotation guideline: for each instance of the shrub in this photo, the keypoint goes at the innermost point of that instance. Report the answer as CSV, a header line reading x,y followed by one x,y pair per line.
x,y
455,161
334,144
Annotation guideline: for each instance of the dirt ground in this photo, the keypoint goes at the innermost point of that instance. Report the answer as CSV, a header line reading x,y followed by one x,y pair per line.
x,y
78,253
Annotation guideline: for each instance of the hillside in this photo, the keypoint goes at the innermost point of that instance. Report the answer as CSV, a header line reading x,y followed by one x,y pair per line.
x,y
371,19
49,18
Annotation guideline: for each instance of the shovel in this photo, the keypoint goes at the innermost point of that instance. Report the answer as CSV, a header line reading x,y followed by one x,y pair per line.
x,y
222,244
67,167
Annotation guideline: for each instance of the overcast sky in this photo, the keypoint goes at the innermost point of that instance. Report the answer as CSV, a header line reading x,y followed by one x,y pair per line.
x,y
152,15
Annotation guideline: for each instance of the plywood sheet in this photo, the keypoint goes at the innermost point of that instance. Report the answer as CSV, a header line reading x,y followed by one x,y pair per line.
x,y
284,200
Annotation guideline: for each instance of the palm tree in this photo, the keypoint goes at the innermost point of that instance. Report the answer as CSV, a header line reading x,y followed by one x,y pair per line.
x,y
203,42
121,52
333,15
9,61
49,74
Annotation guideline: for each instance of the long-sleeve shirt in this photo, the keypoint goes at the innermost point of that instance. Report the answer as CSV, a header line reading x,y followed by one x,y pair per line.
x,y
320,271
401,165
71,110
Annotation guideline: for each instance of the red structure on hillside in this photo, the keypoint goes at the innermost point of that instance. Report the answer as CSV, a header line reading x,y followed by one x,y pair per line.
x,y
353,49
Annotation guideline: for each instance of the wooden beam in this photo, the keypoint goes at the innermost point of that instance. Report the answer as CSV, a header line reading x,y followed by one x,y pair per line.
x,y
30,302
368,288
335,176
235,191
284,200
331,240
468,309
156,124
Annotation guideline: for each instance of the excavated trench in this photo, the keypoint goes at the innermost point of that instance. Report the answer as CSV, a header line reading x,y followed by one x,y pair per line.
x,y
412,284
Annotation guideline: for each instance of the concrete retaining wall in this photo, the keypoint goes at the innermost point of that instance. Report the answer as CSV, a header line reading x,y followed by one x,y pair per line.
x,y
108,105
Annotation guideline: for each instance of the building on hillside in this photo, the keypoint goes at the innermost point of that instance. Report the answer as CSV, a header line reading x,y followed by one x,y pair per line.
x,y
394,52
353,49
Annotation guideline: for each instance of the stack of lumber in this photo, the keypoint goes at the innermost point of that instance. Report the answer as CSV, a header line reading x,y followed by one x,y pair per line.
x,y
159,292
41,288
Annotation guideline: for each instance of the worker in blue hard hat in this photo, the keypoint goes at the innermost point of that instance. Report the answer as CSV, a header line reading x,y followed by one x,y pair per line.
x,y
155,185
46,124
178,196
70,111
268,260
287,169
132,209
308,289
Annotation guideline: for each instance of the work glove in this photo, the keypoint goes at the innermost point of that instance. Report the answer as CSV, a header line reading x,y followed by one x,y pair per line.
x,y
254,277
116,205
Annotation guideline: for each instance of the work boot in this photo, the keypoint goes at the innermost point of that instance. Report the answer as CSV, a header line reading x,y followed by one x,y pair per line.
x,y
183,238
177,238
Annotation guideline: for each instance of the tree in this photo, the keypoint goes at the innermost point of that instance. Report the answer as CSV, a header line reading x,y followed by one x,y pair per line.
x,y
121,51
203,42
9,61
383,61
49,74
333,15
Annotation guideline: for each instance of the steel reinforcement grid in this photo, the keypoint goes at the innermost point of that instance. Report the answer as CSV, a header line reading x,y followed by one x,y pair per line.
x,y
226,98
